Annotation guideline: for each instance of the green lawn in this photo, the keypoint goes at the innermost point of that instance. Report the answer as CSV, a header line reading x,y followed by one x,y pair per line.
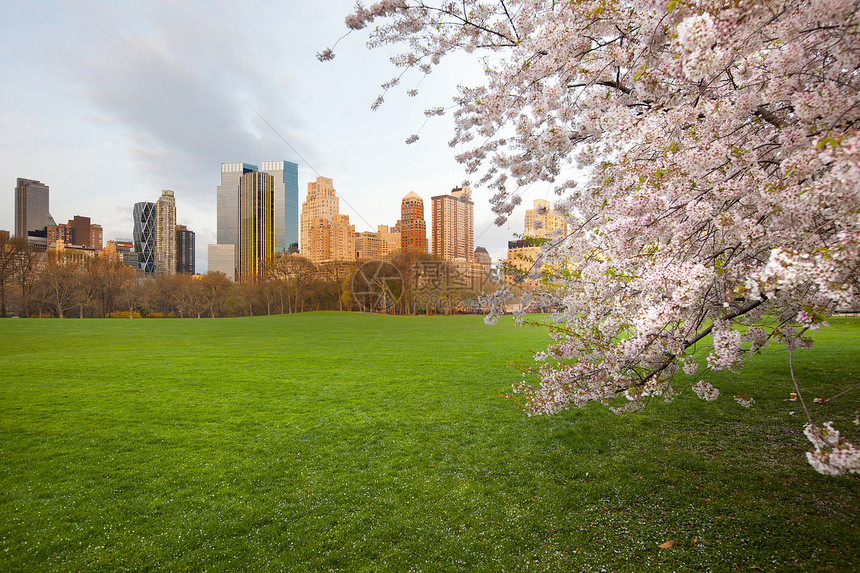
x,y
329,441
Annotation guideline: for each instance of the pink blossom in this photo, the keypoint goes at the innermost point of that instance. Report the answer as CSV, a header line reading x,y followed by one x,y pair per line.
x,y
707,158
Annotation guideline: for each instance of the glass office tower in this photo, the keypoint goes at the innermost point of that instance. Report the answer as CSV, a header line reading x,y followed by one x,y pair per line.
x,y
145,235
256,225
31,211
286,176
228,203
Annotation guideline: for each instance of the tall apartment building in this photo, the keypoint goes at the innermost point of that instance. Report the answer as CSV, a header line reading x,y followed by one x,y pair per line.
x,y
542,223
184,250
256,209
321,203
454,225
326,234
144,216
285,175
413,227
31,211
342,242
165,234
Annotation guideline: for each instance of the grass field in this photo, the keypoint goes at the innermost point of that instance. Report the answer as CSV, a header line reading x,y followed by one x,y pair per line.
x,y
328,441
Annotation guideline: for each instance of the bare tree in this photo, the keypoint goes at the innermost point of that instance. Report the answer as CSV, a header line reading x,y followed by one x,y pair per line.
x,y
297,273
8,252
58,285
338,272
215,289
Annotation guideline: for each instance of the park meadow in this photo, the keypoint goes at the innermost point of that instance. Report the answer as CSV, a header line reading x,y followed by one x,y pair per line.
x,y
333,441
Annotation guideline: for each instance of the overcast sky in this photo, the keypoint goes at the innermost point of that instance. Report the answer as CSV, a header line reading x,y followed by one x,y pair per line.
x,y
108,103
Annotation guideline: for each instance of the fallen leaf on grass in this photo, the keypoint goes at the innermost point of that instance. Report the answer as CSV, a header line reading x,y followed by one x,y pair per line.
x,y
667,545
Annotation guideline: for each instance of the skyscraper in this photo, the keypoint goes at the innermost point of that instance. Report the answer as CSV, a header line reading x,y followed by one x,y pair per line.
x,y
326,234
454,225
321,203
184,250
285,208
31,211
286,176
413,228
145,235
228,202
256,211
165,234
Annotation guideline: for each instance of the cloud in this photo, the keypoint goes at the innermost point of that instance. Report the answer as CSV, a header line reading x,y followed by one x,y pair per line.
x,y
185,85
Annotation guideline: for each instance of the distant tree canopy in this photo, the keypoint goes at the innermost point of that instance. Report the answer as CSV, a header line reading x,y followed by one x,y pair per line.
x,y
34,284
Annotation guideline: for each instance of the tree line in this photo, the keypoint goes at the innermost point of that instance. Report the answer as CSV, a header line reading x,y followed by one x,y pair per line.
x,y
34,284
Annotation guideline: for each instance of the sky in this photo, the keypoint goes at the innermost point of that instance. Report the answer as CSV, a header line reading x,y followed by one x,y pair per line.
x,y
109,102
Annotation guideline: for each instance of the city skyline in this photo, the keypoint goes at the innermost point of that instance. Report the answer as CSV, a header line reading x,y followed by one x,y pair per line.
x,y
326,234
152,97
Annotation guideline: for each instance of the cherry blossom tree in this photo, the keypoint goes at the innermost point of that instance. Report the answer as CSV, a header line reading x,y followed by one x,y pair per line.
x,y
705,153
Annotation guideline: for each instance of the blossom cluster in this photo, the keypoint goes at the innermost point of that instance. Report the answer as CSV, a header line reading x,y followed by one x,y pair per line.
x,y
705,391
833,455
705,154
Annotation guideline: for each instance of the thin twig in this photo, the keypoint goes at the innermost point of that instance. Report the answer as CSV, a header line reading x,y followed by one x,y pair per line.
x,y
828,400
794,379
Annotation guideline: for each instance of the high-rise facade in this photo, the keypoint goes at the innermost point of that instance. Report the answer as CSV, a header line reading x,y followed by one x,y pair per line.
x,y
60,232
368,246
222,259
256,210
122,251
184,250
321,203
144,215
31,211
165,234
454,225
377,245
413,227
483,262
79,231
286,191
228,202
285,175
541,223
326,234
